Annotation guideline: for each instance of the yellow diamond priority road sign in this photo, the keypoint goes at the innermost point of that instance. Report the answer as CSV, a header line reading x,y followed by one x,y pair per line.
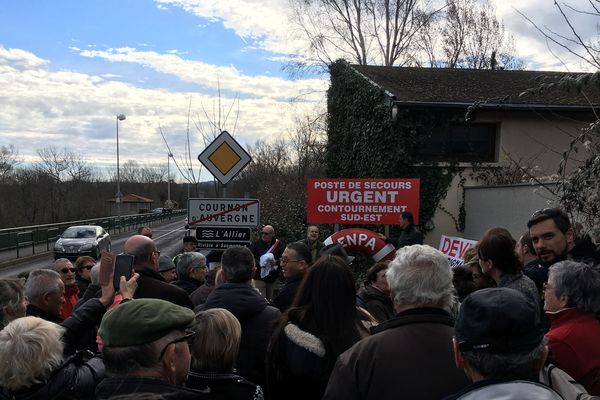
x,y
224,157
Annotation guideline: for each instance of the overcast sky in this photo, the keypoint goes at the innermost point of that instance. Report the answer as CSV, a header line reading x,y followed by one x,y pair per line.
x,y
67,67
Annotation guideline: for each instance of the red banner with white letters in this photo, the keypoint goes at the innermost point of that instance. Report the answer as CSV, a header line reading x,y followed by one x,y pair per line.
x,y
361,201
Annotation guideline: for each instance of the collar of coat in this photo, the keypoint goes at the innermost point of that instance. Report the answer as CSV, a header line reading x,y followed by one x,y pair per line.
x,y
304,339
416,316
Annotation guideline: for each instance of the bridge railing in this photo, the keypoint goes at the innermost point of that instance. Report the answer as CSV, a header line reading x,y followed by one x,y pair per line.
x,y
29,236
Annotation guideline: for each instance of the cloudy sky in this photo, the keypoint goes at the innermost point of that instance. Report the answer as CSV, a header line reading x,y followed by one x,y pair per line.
x,y
67,67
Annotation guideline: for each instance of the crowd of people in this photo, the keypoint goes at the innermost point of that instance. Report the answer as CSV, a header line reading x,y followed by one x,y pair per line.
x,y
518,320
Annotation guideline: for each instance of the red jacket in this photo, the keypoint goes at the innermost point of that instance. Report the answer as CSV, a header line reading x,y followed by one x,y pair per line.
x,y
574,338
71,298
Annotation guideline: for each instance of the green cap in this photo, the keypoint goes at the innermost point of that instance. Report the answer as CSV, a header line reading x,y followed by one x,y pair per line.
x,y
142,321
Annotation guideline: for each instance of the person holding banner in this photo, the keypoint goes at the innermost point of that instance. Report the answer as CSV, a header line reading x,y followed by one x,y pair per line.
x,y
267,252
409,235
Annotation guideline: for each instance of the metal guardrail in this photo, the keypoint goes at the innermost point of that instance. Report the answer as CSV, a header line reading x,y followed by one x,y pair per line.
x,y
25,236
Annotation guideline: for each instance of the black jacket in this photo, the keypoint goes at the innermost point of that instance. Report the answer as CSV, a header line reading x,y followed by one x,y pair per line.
x,y
224,386
111,387
257,318
152,285
318,246
74,379
286,295
377,303
82,284
297,368
585,250
80,327
189,285
409,236
35,311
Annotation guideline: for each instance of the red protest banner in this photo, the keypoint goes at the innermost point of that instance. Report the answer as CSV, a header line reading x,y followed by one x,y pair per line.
x,y
361,201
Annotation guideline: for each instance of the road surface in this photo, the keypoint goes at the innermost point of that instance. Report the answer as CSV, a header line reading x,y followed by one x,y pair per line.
x,y
168,237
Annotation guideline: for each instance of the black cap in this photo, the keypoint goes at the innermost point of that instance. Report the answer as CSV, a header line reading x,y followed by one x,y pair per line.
x,y
190,239
214,256
498,321
336,249
165,263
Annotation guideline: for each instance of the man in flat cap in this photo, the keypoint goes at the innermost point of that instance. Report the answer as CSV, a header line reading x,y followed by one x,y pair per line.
x,y
145,350
166,267
499,343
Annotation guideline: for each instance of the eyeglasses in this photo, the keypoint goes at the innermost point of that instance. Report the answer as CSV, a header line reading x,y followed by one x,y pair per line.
x,y
66,270
284,261
188,335
549,212
546,286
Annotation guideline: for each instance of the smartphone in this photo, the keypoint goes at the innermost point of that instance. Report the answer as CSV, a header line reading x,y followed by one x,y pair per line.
x,y
107,265
123,267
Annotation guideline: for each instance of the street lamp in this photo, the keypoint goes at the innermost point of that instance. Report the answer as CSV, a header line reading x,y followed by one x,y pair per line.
x,y
169,178
120,117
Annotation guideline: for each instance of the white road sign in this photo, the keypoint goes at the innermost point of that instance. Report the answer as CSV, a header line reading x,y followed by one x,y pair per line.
x,y
223,212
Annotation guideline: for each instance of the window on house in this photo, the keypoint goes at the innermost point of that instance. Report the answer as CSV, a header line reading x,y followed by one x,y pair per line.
x,y
461,142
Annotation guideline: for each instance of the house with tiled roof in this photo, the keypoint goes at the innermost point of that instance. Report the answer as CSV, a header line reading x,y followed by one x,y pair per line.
x,y
436,117
130,204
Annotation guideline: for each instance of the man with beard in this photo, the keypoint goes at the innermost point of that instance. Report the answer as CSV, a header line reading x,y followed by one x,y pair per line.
x,y
553,239
312,242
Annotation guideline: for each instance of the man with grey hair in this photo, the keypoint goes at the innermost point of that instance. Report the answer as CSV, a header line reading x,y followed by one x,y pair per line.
x,y
312,242
416,343
252,311
151,283
191,271
45,292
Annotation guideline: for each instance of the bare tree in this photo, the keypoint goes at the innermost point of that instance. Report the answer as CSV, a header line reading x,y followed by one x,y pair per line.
x,y
208,124
8,161
578,186
363,31
467,34
53,162
573,42
308,142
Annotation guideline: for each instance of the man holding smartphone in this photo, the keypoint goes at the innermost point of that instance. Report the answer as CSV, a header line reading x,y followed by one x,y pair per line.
x,y
151,284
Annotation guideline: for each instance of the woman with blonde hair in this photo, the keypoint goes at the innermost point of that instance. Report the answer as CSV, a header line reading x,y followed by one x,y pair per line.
x,y
33,365
214,349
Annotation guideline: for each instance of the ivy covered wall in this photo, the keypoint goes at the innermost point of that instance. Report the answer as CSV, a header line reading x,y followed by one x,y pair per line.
x,y
364,142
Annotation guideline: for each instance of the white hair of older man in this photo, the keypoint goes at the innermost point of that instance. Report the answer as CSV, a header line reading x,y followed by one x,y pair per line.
x,y
30,349
420,275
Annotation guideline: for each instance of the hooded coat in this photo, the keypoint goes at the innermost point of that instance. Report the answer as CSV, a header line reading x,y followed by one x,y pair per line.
x,y
258,320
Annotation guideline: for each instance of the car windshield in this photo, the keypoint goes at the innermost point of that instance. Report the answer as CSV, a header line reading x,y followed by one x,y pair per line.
x,y
79,233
